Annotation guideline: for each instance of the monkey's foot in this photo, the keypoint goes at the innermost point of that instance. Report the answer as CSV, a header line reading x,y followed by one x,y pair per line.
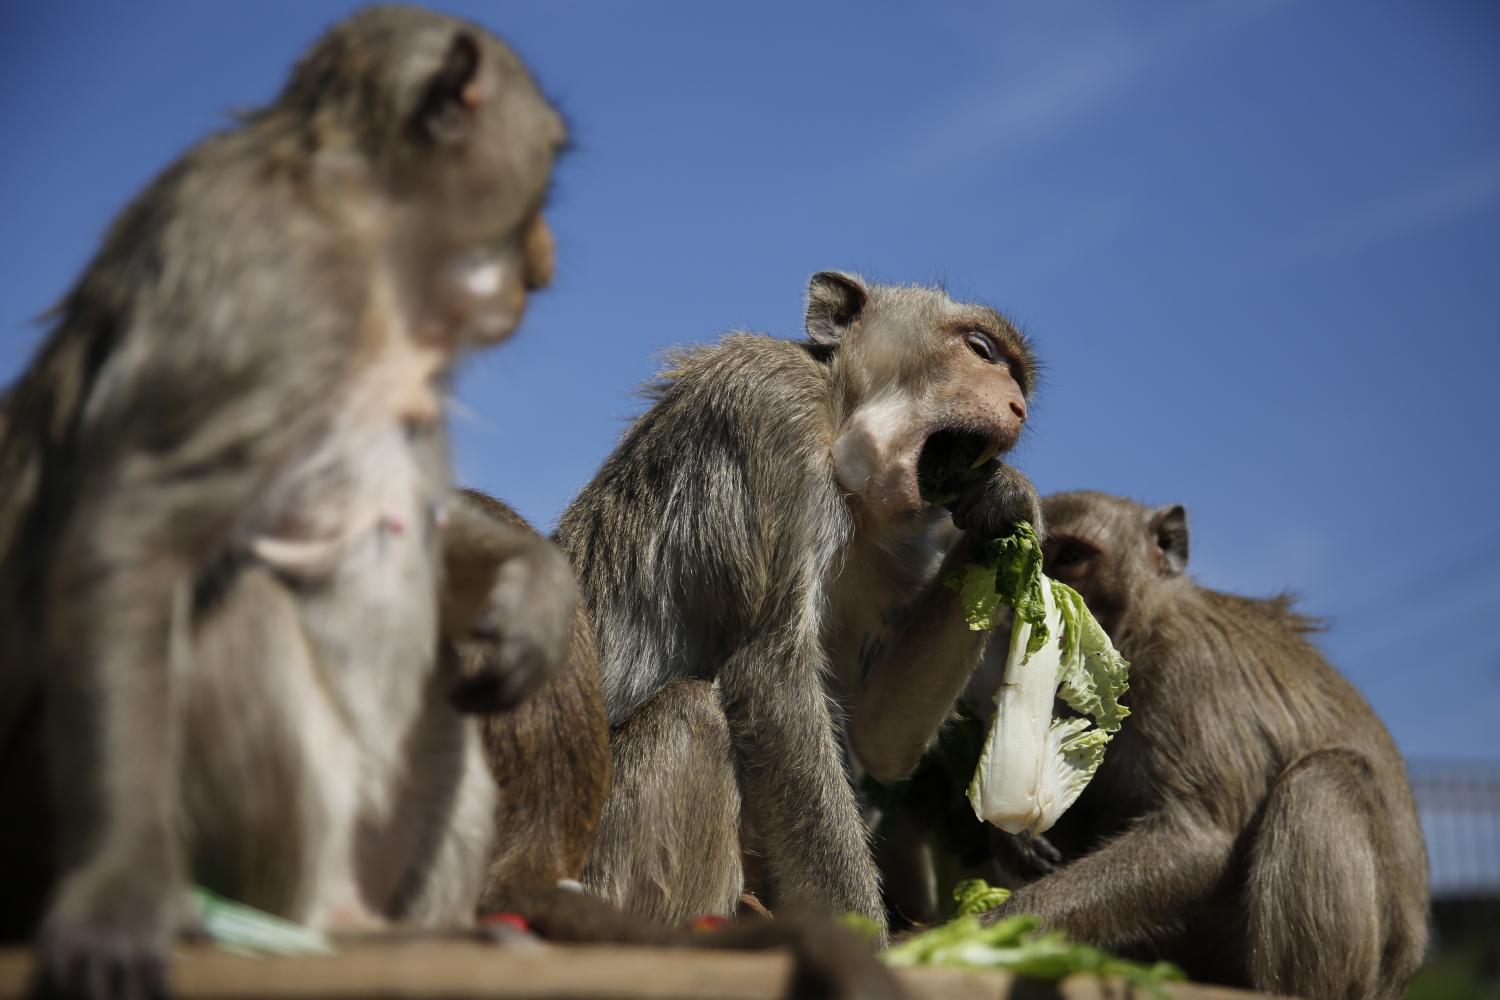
x,y
509,929
107,936
751,904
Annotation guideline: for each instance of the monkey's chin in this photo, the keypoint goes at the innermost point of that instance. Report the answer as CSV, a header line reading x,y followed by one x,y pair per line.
x,y
490,327
892,495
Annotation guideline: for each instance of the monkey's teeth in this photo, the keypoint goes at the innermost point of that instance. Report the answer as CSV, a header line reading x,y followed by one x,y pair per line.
x,y
988,454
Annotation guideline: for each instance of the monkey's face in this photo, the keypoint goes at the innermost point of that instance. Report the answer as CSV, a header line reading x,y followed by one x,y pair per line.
x,y
464,143
1115,552
936,386
486,143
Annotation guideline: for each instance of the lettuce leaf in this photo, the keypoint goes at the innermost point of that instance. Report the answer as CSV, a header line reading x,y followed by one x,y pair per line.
x,y
1032,767
1015,943
1006,571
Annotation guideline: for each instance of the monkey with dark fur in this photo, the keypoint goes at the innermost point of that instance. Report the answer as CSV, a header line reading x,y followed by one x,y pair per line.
x,y
549,755
1252,820
760,528
227,511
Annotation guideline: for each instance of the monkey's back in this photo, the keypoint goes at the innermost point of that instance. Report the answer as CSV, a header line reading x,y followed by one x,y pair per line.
x,y
1246,693
678,550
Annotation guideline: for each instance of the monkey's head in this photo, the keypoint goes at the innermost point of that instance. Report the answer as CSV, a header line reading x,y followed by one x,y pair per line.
x,y
930,385
1120,555
460,143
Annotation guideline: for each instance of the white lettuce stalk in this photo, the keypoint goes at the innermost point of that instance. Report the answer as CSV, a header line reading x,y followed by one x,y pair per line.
x,y
1033,767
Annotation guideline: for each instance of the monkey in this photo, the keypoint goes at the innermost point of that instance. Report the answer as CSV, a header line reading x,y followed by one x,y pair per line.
x,y
764,524
228,647
1252,820
549,755
550,758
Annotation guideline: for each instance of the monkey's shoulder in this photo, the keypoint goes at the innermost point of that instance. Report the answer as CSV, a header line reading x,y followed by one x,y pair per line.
x,y
748,368
751,400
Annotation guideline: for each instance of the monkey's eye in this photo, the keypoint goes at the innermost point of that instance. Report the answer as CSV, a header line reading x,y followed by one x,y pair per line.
x,y
1070,552
982,346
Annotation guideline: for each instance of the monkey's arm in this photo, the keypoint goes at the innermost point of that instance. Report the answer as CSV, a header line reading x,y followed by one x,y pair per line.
x,y
909,693
509,588
183,422
1137,887
119,596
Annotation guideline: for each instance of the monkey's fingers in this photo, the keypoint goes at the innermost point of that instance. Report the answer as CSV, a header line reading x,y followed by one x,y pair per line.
x,y
1031,855
991,506
90,964
513,670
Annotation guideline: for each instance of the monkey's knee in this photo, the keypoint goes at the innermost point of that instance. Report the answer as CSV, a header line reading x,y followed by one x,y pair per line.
x,y
1314,893
668,845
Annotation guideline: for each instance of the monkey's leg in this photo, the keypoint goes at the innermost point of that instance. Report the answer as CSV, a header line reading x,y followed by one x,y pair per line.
x,y
270,782
668,845
1321,868
1133,891
905,861
118,596
794,781
450,795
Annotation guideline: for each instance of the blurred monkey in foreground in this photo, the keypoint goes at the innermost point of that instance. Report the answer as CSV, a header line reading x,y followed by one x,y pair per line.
x,y
227,518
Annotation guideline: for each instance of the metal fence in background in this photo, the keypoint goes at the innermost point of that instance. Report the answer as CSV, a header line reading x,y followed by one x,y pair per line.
x,y
1460,807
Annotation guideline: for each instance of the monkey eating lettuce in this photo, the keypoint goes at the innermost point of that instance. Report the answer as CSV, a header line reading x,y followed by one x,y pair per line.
x,y
1033,767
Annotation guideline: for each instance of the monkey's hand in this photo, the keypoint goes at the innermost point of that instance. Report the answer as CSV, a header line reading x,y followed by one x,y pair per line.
x,y
990,506
108,932
521,634
1027,856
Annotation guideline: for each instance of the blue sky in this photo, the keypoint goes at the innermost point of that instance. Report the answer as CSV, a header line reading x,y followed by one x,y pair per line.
x,y
1257,245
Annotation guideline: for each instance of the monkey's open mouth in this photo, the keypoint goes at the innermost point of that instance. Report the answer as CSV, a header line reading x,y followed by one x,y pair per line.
x,y
950,460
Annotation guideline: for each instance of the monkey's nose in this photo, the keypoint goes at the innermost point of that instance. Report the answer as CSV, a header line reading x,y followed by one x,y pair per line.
x,y
1018,407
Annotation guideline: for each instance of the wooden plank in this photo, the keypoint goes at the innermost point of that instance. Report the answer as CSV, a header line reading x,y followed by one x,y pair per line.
x,y
402,968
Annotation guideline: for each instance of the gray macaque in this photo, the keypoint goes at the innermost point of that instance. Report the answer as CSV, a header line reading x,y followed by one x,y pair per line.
x,y
1252,821
226,651
761,557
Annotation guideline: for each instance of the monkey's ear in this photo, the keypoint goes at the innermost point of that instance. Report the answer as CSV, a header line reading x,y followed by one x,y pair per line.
x,y
446,113
834,302
1169,530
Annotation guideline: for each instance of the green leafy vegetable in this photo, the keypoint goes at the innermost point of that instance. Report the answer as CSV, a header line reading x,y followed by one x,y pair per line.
x,y
1006,571
1014,943
248,931
1032,767
975,896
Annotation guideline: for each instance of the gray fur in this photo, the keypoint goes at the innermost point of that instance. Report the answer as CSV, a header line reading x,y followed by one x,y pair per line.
x,y
221,561
719,542
1252,821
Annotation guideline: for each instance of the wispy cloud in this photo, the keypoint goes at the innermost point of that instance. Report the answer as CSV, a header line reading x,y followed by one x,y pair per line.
x,y
1055,249
1467,188
1025,106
